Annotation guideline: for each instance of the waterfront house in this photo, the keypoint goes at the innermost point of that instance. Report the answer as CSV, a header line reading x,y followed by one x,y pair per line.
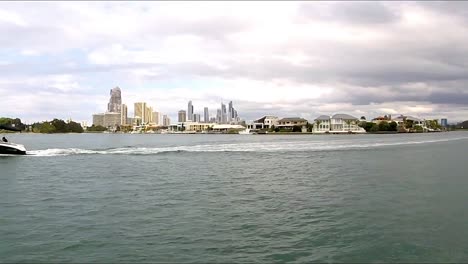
x,y
337,124
265,122
289,123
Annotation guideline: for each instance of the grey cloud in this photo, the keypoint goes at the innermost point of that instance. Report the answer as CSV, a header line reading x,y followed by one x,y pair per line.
x,y
360,12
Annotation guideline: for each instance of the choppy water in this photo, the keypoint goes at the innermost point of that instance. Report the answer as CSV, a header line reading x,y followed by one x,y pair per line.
x,y
235,198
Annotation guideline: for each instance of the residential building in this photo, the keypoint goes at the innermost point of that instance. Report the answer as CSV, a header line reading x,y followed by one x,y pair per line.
x,y
289,123
223,114
166,120
265,122
156,118
140,110
98,119
196,118
112,119
337,124
115,101
143,112
182,116
124,114
190,111
218,116
206,115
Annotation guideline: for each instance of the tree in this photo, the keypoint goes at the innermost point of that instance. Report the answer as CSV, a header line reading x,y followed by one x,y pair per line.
x,y
367,126
12,122
408,124
94,128
59,125
74,127
418,129
384,126
393,126
374,128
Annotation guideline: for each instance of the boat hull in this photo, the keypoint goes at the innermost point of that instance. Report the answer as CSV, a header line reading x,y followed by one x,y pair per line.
x,y
12,149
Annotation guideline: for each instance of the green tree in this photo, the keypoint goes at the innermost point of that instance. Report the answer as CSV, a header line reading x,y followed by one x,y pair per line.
x,y
418,129
74,127
374,127
392,126
384,126
94,128
408,124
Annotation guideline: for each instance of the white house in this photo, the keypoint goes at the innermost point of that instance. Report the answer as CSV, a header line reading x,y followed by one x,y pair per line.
x,y
337,124
265,122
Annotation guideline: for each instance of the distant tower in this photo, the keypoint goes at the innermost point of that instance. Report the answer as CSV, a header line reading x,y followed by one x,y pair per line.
x,y
115,101
182,116
206,115
123,116
190,111
224,116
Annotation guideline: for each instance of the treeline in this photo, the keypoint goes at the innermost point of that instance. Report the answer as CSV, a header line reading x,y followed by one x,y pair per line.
x,y
54,126
383,126
57,126
12,122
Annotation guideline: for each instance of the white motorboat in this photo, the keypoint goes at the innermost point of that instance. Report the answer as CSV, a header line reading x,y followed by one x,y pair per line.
x,y
8,147
245,132
12,148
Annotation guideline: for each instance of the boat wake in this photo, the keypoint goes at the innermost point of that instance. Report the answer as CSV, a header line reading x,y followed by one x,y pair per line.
x,y
292,146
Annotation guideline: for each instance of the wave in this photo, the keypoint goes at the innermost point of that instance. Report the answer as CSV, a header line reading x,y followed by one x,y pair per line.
x,y
236,147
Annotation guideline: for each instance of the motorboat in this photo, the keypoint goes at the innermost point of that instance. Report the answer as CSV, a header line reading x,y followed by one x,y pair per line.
x,y
245,132
12,148
8,147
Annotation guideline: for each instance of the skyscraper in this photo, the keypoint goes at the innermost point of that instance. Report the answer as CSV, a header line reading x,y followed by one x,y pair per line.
x,y
115,101
206,115
196,118
230,112
156,118
182,116
218,116
140,111
223,114
123,115
166,120
190,111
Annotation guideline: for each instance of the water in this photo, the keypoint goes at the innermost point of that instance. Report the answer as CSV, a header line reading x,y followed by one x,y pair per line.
x,y
235,198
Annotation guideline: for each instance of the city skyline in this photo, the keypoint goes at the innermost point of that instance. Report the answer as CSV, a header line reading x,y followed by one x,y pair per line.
x,y
279,58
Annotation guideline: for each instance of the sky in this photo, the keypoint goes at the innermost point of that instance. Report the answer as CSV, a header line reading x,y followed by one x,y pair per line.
x,y
60,59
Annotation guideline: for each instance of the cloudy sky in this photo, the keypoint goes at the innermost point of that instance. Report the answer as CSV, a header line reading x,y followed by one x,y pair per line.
x,y
60,59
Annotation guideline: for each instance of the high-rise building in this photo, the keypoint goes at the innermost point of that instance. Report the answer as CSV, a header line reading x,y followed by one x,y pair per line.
x,y
166,120
112,119
98,119
196,118
182,116
230,112
123,115
206,115
143,112
223,114
190,111
149,115
115,101
218,116
156,118
140,110
444,122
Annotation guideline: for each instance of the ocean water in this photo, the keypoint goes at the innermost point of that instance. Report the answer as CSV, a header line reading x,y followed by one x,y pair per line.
x,y
235,198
